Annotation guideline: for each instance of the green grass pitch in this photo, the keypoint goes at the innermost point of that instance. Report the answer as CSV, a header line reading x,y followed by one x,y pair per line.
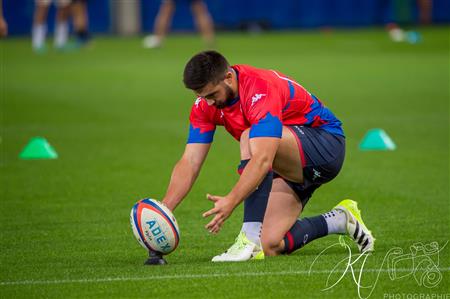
x,y
117,116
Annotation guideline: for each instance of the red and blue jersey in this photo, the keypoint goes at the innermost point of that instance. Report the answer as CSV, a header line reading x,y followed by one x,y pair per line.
x,y
267,100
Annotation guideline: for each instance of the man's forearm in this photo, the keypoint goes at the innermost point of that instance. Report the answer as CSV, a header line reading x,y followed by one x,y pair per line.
x,y
183,177
252,176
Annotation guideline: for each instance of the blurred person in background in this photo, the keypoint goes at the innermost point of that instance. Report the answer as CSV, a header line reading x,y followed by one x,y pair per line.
x,y
163,21
39,31
425,11
3,24
401,13
80,22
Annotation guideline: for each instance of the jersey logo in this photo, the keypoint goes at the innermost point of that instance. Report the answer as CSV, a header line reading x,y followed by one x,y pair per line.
x,y
257,97
197,101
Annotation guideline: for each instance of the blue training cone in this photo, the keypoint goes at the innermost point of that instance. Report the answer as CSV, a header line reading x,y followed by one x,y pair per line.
x,y
377,140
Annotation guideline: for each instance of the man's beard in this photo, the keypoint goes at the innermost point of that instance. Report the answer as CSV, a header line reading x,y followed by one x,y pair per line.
x,y
229,96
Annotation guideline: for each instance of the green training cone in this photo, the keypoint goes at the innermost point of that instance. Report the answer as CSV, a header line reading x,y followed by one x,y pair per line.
x,y
38,148
377,140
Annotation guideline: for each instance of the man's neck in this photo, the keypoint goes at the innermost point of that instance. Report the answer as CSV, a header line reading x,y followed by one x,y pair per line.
x,y
235,83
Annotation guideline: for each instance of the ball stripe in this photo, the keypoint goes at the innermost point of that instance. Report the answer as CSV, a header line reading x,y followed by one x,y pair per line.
x,y
136,222
137,212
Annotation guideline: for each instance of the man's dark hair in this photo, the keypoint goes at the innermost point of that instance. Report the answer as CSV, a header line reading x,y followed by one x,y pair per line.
x,y
203,68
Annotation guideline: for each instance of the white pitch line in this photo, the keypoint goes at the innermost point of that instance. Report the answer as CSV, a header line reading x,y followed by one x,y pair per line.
x,y
193,276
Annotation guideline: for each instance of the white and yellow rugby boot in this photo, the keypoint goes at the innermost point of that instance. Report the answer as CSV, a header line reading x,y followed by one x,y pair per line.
x,y
242,250
356,229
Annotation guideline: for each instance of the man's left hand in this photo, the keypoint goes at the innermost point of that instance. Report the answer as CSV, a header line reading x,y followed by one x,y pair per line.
x,y
223,207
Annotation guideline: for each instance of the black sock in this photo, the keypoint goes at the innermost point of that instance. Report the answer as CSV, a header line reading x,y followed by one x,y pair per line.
x,y
256,203
83,35
304,231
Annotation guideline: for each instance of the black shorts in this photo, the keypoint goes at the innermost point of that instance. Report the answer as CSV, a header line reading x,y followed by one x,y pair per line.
x,y
322,155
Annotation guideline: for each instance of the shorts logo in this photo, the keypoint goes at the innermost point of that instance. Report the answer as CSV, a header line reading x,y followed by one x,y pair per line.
x,y
257,97
316,175
299,130
305,238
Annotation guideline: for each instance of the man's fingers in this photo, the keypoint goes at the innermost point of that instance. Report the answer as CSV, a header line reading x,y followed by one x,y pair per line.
x,y
215,225
210,212
213,222
216,228
212,197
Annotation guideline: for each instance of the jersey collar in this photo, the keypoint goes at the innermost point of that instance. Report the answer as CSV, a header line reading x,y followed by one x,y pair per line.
x,y
236,99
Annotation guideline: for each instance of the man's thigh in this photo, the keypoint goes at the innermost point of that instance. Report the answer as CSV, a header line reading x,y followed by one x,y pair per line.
x,y
282,211
288,161
320,154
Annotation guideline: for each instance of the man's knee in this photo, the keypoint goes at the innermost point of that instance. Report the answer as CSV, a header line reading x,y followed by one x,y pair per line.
x,y
271,246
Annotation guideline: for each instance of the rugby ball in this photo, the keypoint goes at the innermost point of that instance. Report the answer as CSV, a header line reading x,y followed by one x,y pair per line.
x,y
154,226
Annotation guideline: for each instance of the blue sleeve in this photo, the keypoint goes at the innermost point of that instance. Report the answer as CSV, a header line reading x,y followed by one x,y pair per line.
x,y
269,126
196,136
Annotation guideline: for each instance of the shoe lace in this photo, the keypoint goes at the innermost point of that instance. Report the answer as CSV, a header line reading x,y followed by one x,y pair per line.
x,y
238,245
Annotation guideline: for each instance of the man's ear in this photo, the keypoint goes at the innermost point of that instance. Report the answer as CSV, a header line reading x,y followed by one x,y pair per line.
x,y
229,77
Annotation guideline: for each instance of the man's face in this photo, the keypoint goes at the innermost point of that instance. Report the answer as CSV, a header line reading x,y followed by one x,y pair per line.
x,y
217,94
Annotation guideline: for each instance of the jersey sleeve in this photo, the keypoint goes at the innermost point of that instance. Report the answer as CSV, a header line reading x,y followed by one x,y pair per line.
x,y
264,111
202,126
